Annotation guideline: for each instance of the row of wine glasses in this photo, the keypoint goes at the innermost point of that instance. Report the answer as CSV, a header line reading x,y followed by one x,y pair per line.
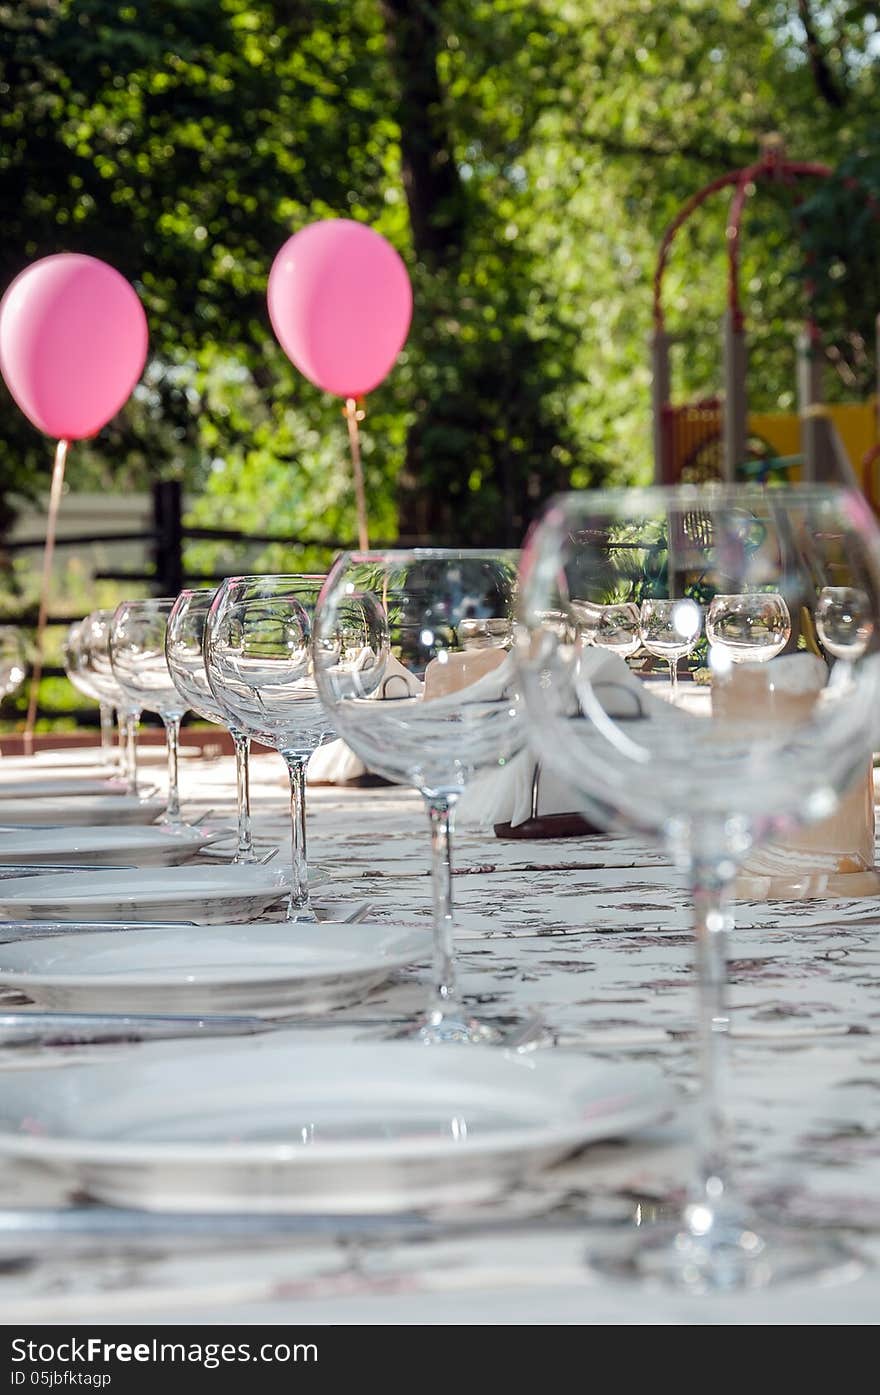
x,y
436,665
739,628
405,655
748,627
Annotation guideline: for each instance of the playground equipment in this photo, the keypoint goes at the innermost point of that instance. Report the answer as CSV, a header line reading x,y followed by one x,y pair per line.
x,y
718,438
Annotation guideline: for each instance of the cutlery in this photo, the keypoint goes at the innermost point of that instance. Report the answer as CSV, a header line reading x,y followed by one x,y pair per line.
x,y
39,869
103,1223
11,930
59,1029
30,1028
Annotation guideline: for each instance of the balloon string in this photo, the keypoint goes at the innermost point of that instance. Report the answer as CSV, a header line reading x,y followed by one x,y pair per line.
x,y
353,415
45,588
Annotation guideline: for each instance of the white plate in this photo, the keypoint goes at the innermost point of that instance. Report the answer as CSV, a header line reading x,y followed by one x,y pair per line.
x,y
206,895
98,845
40,786
265,969
268,1124
79,757
82,810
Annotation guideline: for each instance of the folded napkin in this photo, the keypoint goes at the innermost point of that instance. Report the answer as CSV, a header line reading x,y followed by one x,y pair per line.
x,y
525,799
336,763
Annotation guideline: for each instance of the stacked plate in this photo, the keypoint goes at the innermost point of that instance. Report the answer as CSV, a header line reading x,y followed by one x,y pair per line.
x,y
279,1121
199,895
269,1124
94,845
265,969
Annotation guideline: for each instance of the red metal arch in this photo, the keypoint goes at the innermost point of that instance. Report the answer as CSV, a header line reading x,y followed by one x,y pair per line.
x,y
771,166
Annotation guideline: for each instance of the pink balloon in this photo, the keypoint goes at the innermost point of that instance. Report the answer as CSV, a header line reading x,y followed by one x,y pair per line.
x,y
340,303
73,343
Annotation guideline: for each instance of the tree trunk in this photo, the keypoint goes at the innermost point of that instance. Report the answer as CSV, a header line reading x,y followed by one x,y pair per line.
x,y
430,174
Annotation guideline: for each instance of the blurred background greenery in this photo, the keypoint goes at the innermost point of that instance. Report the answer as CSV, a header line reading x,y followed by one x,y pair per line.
x,y
523,155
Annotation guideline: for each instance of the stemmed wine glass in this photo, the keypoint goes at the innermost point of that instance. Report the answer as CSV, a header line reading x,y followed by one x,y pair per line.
x,y
669,629
74,667
710,784
184,650
748,628
258,661
439,624
13,663
137,657
618,629
844,622
96,667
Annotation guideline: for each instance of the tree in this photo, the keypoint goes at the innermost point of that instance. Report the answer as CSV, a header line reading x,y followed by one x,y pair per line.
x,y
525,159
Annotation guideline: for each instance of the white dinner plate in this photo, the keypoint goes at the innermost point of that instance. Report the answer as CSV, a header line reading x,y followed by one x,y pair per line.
x,y
98,845
266,969
38,786
269,1124
80,810
85,757
207,895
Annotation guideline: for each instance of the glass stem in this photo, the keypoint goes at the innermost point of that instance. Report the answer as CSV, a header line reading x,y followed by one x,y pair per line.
x,y
299,865
441,815
172,741
245,849
108,754
710,892
132,720
673,677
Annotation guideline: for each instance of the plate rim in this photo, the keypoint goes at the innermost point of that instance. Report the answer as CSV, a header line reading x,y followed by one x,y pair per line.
x,y
648,1104
22,978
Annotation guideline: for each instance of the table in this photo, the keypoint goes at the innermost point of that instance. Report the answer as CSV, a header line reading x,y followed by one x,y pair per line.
x,y
594,934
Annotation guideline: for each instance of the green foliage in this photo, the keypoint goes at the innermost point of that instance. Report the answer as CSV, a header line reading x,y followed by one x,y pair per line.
x,y
183,140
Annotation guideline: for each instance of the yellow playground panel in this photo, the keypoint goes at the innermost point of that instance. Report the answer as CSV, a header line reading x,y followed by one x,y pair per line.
x,y
694,441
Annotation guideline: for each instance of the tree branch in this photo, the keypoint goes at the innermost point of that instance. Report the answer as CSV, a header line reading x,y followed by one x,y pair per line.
x,y
826,84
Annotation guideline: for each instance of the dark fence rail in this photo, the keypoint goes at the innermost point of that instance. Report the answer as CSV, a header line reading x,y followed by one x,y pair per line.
x,y
166,539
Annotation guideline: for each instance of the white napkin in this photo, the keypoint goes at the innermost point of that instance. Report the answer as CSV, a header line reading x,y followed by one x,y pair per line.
x,y
523,788
336,763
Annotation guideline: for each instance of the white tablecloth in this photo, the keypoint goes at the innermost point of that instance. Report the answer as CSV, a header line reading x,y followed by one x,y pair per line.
x,y
594,934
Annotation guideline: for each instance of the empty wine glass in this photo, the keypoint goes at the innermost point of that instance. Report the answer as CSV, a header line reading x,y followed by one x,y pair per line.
x,y
74,667
13,663
711,783
258,661
618,628
184,650
427,699
137,656
747,628
669,629
844,622
95,665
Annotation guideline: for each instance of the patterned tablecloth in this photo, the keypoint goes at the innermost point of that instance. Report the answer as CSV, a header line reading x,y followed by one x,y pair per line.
x,y
594,935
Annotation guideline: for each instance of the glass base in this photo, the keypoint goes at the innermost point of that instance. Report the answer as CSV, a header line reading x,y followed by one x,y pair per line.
x,y
440,1027
735,1253
299,915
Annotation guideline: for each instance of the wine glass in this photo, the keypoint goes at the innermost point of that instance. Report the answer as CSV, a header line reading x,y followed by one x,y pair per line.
x,y
13,662
428,700
184,650
258,662
747,628
137,657
95,665
669,629
712,783
618,628
74,667
844,622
